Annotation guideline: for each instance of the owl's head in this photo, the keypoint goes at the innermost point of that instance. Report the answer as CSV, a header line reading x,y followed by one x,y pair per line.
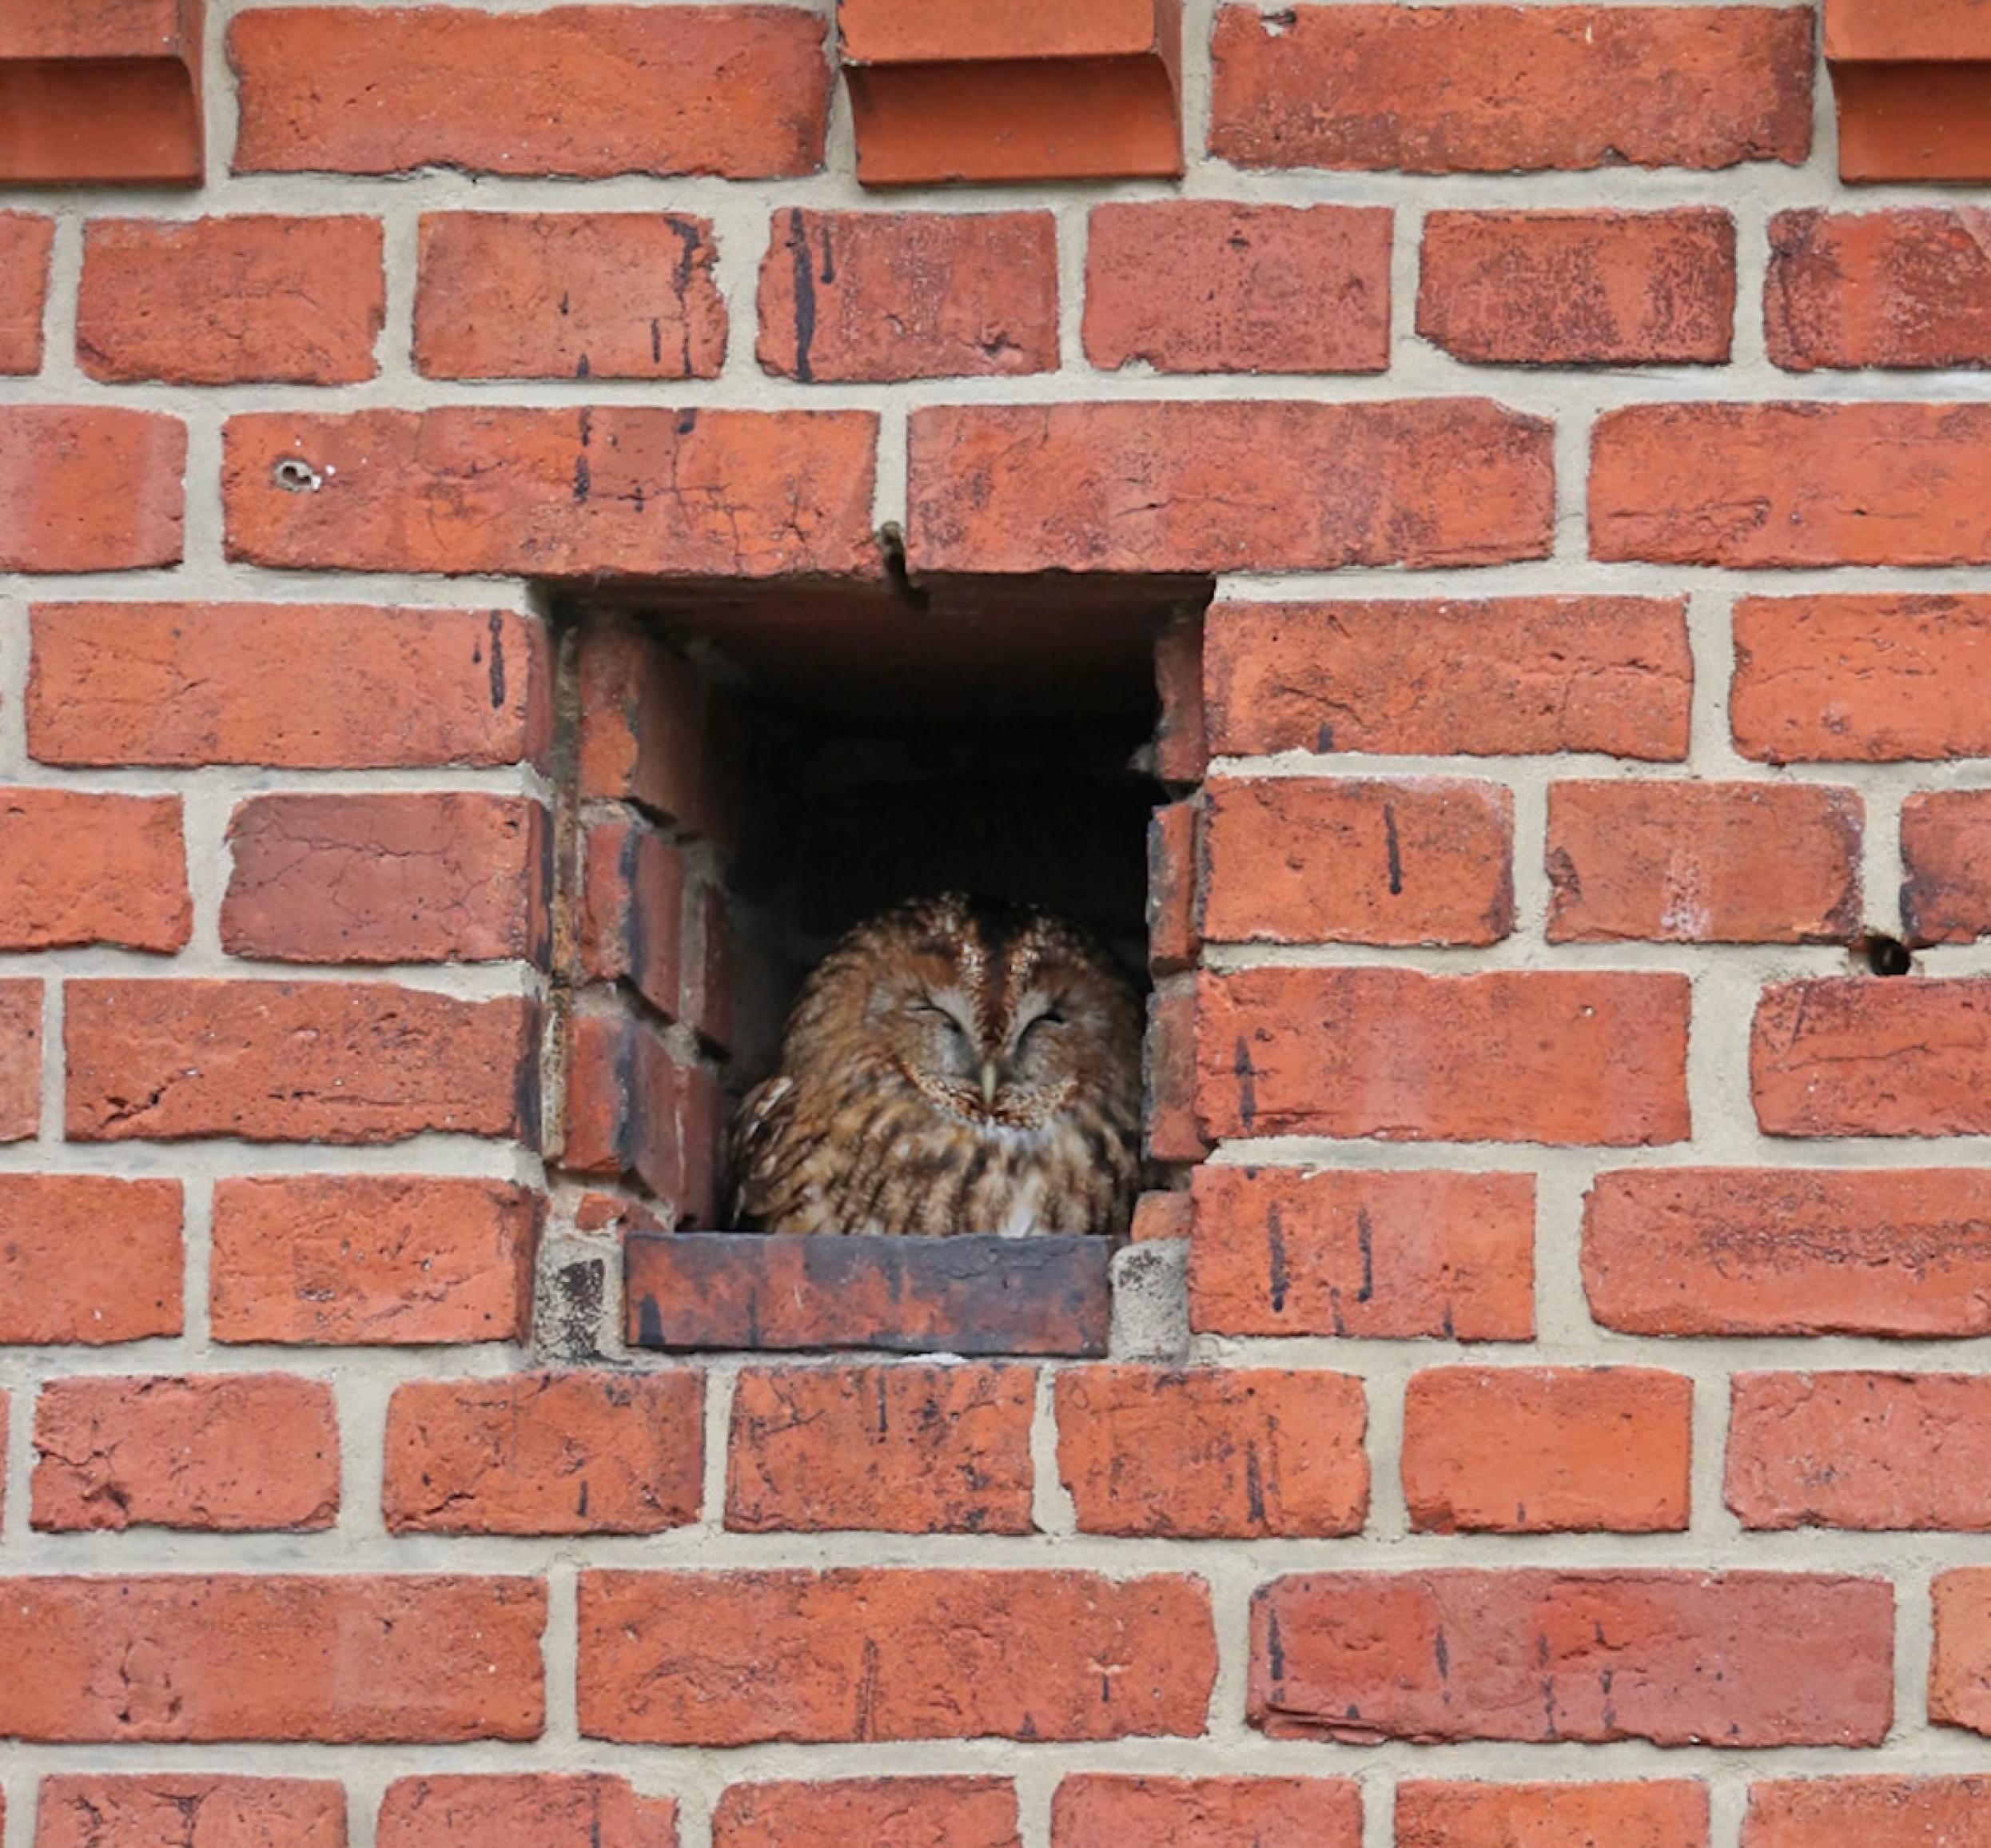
x,y
998,1015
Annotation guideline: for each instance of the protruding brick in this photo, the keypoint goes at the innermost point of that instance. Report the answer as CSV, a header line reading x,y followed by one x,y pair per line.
x,y
281,1061
457,877
79,869
1562,289
583,92
1527,1450
343,1660
26,241
20,1060
1306,860
880,1812
1703,862
632,911
55,1287
545,1453
1877,1451
1756,486
1215,1453
1396,1256
1855,1812
877,296
1306,486
523,1810
553,493
216,1453
190,1809
225,301
918,1450
1670,1814
1518,676
1903,288
296,685
1855,1057
1862,680
873,1654
1095,1811
371,1259
1478,88
1202,286
568,294
90,488
1595,1056
1946,853
1737,1251
1736,1658
1960,1668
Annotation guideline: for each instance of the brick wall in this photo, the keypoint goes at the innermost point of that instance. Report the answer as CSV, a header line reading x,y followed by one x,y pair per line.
x,y
1587,1286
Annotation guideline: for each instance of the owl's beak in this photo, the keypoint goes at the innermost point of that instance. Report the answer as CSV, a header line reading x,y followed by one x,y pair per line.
x,y
989,1078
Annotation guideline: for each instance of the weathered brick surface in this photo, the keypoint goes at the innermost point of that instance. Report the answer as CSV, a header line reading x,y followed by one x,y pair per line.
x,y
190,1809
523,1810
345,1659
1946,853
78,869
224,301
870,1655
633,912
55,1289
220,1453
1959,1667
1739,1659
26,240
1658,1814
1094,1811
1851,1812
90,488
1201,285
1903,288
20,1009
886,1812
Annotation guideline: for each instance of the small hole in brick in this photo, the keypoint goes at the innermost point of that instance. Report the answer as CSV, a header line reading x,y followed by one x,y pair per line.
x,y
1886,955
294,475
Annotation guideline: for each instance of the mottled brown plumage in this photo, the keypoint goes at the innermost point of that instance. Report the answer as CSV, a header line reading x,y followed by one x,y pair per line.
x,y
950,1067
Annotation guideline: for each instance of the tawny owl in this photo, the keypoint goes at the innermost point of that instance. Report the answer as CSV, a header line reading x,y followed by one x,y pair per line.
x,y
950,1067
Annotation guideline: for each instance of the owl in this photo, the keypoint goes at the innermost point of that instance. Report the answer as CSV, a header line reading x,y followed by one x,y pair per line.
x,y
950,1066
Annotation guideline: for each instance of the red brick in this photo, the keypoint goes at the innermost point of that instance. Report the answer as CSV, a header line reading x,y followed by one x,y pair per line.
x,y
568,294
626,488
1219,485
1669,1814
653,731
1535,1450
1477,89
1946,853
1397,1256
1307,860
79,869
1096,1811
1217,1453
1877,1451
1737,1658
1862,680
296,685
1855,1812
285,1062
545,1453
743,92
1703,862
20,1060
1549,289
1174,884
1959,1669
1598,1057
1164,1215
632,912
54,1286
224,301
1167,1074
874,1655
371,1259
900,1449
879,1812
1905,287
26,241
216,1453
1516,676
1181,747
1203,285
349,1659
523,1810
90,488
1753,486
1855,1057
625,1103
388,878
1737,1251
877,296
190,1809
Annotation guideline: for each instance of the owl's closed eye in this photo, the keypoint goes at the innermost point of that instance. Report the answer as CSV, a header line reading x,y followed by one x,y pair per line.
x,y
950,1067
